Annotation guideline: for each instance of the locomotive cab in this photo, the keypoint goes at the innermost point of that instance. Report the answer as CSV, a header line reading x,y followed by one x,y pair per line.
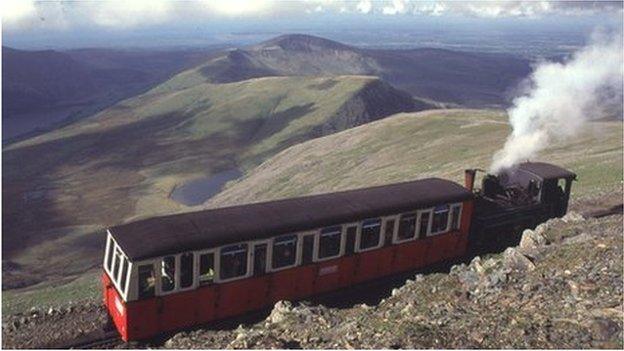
x,y
545,183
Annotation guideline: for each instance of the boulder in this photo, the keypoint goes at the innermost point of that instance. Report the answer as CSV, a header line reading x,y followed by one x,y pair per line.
x,y
572,217
514,260
280,311
532,239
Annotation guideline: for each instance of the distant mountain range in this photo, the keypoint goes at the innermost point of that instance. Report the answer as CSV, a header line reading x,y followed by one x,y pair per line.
x,y
47,89
43,89
458,78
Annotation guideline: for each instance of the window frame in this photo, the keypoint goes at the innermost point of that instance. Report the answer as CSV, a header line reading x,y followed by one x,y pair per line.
x,y
459,216
382,231
135,273
397,226
317,244
112,247
298,252
448,222
194,268
418,217
215,266
247,274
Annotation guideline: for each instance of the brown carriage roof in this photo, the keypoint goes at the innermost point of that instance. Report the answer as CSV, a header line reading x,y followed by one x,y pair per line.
x,y
176,233
546,170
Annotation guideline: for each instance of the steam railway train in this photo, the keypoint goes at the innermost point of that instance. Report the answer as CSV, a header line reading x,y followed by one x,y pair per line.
x,y
172,272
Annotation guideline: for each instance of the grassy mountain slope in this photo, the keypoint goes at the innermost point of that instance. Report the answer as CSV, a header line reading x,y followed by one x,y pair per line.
x,y
470,79
416,145
62,186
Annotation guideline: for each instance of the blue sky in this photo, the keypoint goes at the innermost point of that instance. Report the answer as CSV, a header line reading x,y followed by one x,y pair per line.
x,y
154,23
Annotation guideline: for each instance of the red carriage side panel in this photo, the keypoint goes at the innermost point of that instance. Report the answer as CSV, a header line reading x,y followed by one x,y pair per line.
x,y
116,307
284,285
176,311
206,303
305,279
466,220
385,264
328,276
233,298
410,255
346,271
257,291
143,319
367,266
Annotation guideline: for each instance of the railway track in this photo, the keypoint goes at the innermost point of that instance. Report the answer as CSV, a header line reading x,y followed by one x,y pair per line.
x,y
99,339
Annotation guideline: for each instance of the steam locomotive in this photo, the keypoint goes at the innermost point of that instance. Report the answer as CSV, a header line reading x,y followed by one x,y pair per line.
x,y
172,272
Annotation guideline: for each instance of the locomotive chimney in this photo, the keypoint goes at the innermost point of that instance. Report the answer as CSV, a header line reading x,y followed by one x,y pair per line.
x,y
469,178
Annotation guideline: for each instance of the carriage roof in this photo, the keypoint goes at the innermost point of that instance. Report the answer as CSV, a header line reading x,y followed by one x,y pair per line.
x,y
159,236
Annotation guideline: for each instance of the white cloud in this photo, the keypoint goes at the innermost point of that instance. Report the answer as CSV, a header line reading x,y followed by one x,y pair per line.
x,y
26,14
17,10
364,6
397,7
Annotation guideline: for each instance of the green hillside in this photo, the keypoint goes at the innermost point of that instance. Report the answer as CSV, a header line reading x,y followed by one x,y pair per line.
x,y
123,163
416,145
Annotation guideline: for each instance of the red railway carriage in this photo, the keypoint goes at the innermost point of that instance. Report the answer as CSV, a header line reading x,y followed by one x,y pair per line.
x,y
167,273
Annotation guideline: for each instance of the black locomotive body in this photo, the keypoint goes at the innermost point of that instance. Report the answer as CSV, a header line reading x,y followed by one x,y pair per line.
x,y
514,200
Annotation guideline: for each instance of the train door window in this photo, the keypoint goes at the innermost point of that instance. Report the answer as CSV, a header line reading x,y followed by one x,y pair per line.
x,y
284,251
167,280
370,235
424,220
351,239
330,240
407,227
455,216
124,275
109,254
307,252
389,231
260,259
233,261
116,263
206,268
147,281
186,270
440,221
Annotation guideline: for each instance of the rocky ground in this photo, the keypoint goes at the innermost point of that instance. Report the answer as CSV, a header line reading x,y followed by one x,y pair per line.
x,y
560,288
40,328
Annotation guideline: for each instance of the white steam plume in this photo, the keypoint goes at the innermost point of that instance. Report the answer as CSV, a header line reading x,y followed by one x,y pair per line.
x,y
562,97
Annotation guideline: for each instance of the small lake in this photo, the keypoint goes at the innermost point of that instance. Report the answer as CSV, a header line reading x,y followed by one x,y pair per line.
x,y
197,191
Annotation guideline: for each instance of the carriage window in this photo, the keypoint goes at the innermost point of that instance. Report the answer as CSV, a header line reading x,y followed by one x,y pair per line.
x,y
233,261
308,249
168,273
206,268
109,257
440,219
284,251
329,242
116,263
389,229
371,233
186,270
455,216
124,275
407,227
423,227
147,281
